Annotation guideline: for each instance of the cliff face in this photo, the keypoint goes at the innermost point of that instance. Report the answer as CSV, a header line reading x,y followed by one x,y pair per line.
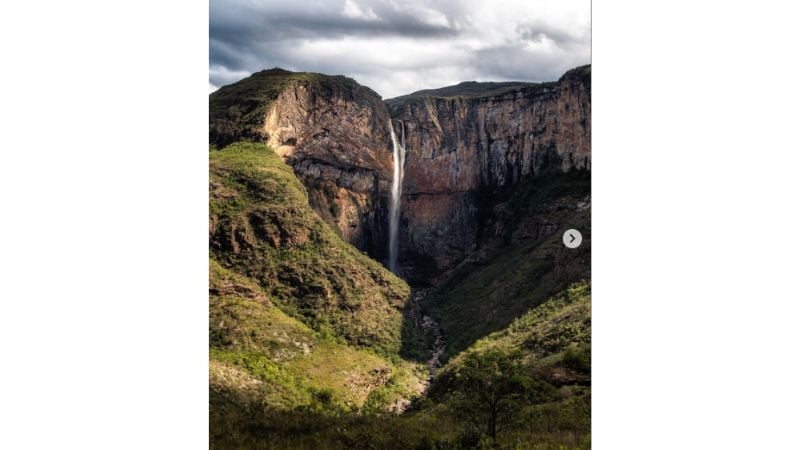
x,y
466,143
332,131
468,146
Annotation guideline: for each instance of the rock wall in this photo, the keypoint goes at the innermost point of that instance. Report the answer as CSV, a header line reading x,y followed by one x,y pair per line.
x,y
335,138
461,148
332,131
464,144
335,141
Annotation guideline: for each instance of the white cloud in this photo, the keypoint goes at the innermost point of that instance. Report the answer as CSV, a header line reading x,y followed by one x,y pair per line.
x,y
427,15
225,75
353,11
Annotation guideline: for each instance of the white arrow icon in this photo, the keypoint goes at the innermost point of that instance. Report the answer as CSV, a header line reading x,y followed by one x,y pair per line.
x,y
572,238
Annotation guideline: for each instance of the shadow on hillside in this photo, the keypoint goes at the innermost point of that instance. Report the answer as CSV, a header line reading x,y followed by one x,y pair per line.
x,y
522,265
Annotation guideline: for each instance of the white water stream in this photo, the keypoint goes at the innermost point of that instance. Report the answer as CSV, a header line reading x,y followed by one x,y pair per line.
x,y
398,160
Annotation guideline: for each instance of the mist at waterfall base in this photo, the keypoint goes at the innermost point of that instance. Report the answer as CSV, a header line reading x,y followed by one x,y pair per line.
x,y
398,160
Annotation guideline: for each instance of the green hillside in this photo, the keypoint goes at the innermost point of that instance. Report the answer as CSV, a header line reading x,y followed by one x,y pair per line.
x,y
262,227
551,345
275,384
263,360
556,331
485,295
299,321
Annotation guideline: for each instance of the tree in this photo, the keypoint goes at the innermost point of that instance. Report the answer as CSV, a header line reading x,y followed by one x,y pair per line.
x,y
489,388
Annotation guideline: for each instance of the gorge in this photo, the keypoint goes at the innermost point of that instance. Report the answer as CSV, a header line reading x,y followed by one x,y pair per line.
x,y
464,143
362,249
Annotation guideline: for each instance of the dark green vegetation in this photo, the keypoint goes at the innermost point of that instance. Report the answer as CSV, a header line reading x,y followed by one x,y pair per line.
x,y
531,381
530,263
490,389
558,330
237,111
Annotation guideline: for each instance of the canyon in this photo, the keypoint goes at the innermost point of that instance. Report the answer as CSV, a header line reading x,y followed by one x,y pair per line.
x,y
465,147
364,252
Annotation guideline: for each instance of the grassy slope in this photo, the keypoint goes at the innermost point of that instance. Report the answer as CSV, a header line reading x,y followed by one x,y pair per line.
x,y
555,342
547,332
554,338
487,295
300,323
262,227
267,356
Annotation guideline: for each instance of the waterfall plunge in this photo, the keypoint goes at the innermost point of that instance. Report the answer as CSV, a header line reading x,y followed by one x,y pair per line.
x,y
398,160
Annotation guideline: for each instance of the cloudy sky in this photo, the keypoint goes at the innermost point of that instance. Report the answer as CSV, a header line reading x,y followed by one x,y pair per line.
x,y
400,46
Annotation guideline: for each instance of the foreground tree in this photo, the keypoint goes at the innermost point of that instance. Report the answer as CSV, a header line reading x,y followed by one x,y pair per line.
x,y
490,388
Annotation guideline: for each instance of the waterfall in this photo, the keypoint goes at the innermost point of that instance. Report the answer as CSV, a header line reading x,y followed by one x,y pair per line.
x,y
398,160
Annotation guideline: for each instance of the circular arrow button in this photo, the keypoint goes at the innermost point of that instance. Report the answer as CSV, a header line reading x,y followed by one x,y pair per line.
x,y
572,238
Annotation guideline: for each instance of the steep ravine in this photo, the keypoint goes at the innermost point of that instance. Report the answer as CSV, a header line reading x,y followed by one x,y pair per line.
x,y
430,328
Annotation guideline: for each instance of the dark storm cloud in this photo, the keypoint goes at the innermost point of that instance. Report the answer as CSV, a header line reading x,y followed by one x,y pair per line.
x,y
394,46
244,24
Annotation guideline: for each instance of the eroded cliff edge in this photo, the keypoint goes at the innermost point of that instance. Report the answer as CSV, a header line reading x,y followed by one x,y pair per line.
x,y
467,145
332,131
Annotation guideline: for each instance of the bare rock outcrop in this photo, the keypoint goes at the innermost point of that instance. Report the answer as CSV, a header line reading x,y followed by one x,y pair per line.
x,y
467,141
331,130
